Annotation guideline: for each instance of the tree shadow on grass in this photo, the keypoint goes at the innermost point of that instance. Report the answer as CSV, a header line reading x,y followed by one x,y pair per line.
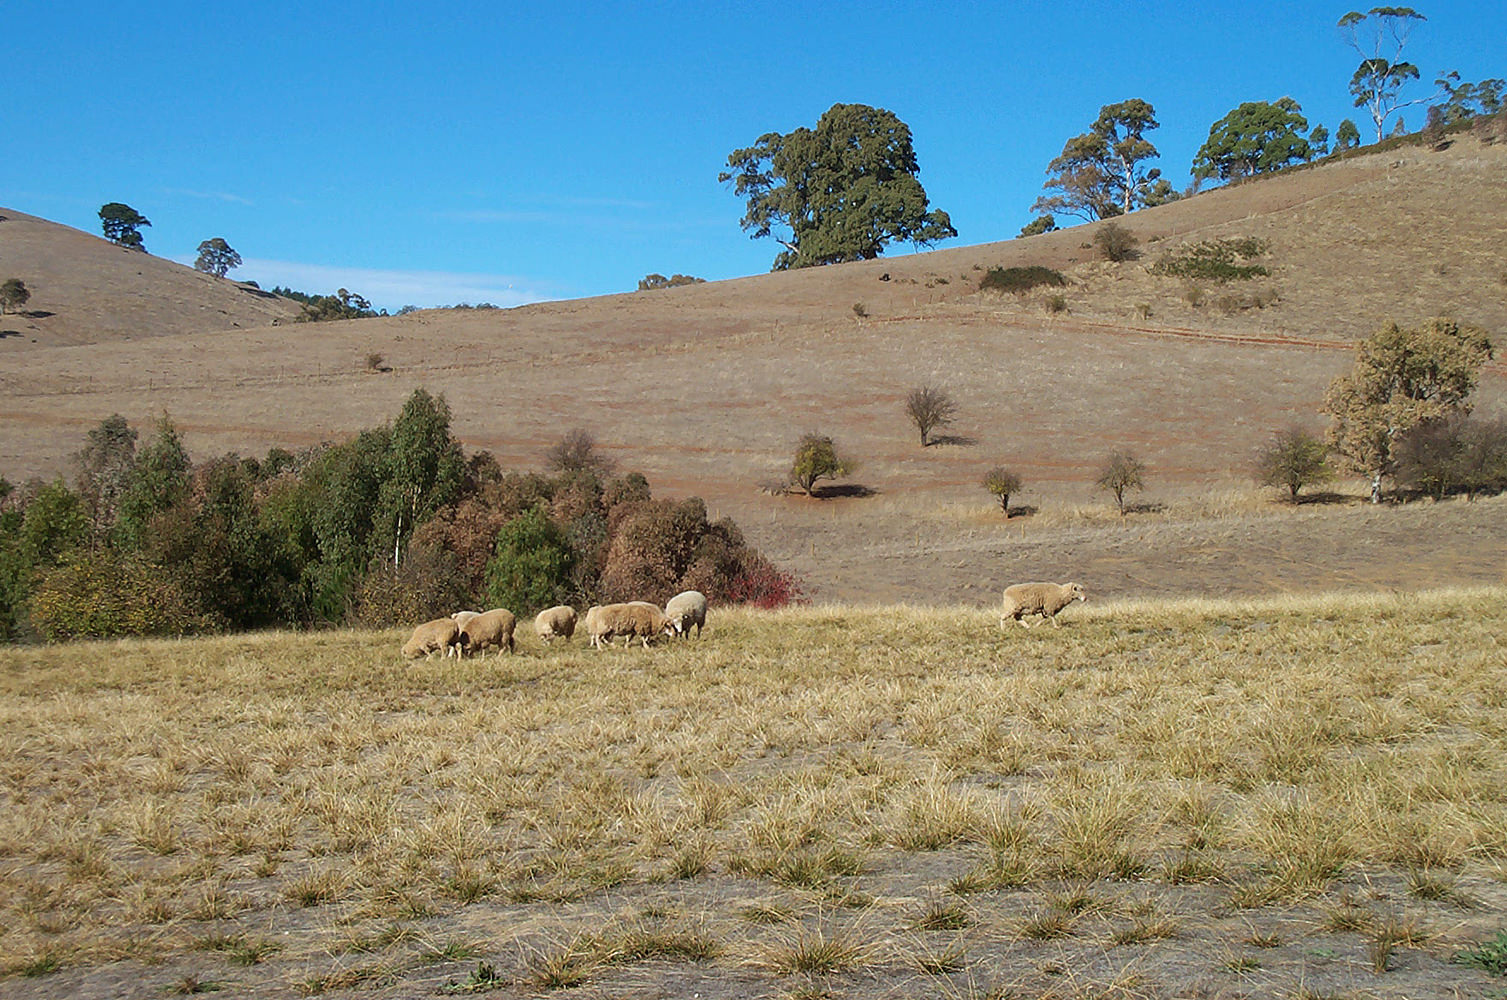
x,y
1022,510
1149,507
956,440
36,314
9,333
841,490
1324,498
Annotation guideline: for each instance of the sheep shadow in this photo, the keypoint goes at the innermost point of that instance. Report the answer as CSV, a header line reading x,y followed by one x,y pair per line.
x,y
841,491
956,440
36,314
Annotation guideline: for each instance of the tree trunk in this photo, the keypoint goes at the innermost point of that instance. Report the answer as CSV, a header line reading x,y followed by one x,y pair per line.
x,y
1376,487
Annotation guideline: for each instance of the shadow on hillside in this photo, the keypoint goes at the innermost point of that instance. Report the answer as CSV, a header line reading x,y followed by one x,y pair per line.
x,y
1325,498
9,333
1151,507
1022,510
841,490
956,440
259,293
36,314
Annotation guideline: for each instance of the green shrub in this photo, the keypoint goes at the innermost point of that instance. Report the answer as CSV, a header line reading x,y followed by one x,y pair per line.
x,y
1055,303
531,568
1214,260
1489,955
1019,280
99,594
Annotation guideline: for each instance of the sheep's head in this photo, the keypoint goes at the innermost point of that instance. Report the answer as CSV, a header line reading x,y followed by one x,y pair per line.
x,y
1076,592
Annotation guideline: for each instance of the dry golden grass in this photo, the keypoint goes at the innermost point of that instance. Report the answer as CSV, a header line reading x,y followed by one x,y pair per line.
x,y
824,798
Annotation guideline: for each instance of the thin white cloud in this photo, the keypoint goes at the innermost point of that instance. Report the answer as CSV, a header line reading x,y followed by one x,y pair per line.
x,y
391,289
209,195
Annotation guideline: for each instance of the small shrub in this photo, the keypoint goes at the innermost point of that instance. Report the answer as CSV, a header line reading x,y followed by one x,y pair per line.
x,y
1122,471
816,458
1294,459
1040,224
1116,243
1055,303
1490,955
1213,260
1001,483
651,282
860,310
374,362
1019,280
929,408
1193,295
1143,310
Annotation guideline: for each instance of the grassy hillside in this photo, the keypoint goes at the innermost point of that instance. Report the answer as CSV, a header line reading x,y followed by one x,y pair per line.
x,y
86,290
1272,798
707,388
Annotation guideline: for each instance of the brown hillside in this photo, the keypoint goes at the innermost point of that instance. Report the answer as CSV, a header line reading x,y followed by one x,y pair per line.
x,y
705,389
85,289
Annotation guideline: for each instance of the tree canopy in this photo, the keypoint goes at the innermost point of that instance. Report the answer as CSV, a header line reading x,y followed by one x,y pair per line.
x,y
121,225
844,190
1102,173
1401,378
1256,137
216,257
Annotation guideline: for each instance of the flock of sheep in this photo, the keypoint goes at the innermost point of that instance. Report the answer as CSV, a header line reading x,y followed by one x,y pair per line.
x,y
468,632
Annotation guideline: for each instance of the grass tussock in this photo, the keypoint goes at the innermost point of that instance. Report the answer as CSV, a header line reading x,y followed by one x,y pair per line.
x,y
198,798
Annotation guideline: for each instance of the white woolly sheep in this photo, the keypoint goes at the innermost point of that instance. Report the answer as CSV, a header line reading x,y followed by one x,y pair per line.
x,y
685,610
490,628
637,619
1044,599
442,634
556,622
461,618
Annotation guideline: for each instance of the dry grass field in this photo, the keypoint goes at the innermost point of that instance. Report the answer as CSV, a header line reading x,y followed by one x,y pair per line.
x,y
706,388
1294,797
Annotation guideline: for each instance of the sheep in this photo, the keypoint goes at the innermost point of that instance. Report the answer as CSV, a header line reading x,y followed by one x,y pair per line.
x,y
461,618
685,610
1044,599
441,634
557,621
637,619
490,628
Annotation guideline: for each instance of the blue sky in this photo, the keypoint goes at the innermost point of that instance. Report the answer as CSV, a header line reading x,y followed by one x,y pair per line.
x,y
434,153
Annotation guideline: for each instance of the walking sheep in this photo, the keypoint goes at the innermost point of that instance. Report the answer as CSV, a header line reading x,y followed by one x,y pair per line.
x,y
637,619
442,634
1044,599
490,628
685,610
555,622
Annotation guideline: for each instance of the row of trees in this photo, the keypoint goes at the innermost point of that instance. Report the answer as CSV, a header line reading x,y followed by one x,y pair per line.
x,y
1105,171
395,524
1402,411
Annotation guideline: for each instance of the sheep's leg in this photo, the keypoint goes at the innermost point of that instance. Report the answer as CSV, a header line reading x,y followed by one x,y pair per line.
x,y
1055,622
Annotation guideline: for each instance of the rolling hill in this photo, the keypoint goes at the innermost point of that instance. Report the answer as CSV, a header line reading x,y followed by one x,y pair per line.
x,y
706,388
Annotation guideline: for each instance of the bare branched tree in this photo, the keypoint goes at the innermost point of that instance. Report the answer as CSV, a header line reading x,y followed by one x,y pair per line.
x,y
929,409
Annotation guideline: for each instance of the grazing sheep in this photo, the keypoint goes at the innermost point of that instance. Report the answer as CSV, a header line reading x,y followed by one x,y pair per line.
x,y
441,634
461,618
1044,599
490,628
555,622
685,610
637,619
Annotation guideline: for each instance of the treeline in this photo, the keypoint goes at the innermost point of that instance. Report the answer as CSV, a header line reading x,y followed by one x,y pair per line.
x,y
394,525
